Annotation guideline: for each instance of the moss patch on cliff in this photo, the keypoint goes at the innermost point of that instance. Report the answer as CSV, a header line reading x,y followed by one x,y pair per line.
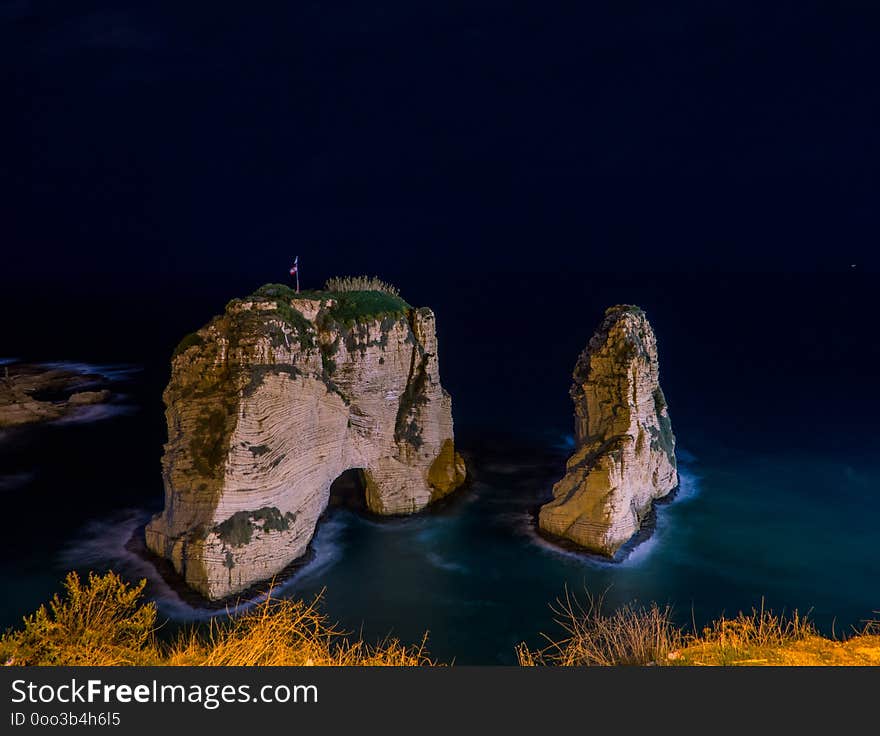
x,y
299,324
357,337
208,445
328,364
238,529
259,373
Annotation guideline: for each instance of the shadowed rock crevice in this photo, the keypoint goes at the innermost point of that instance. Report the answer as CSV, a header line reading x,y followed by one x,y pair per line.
x,y
349,491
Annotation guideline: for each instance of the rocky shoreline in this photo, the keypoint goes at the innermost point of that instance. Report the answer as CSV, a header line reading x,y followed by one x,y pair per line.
x,y
38,393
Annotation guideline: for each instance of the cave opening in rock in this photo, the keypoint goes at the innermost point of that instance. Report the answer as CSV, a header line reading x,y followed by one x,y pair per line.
x,y
349,491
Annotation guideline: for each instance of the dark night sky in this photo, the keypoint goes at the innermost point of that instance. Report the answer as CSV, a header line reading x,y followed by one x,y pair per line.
x,y
156,141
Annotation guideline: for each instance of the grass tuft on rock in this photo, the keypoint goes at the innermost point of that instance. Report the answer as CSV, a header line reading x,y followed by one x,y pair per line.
x,y
360,283
630,635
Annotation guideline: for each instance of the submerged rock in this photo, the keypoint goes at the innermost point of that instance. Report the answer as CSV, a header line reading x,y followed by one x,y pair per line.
x,y
625,456
85,398
272,401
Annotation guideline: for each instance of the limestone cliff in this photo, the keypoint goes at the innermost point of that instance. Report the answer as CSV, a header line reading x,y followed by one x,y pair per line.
x,y
270,402
625,456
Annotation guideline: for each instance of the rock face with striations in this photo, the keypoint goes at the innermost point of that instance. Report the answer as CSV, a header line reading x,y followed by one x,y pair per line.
x,y
625,456
270,402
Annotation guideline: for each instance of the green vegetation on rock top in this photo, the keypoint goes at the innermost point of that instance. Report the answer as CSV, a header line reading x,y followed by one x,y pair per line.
x,y
354,306
347,309
349,306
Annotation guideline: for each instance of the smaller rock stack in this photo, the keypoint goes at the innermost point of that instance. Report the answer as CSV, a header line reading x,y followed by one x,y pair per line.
x,y
625,456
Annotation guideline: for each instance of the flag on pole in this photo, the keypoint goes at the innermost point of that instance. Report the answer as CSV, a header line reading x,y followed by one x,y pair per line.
x,y
294,271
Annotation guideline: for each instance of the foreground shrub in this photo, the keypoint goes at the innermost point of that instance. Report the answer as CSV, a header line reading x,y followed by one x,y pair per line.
x,y
101,621
104,621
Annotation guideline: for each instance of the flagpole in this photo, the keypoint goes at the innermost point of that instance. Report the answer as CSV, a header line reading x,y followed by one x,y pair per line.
x,y
297,275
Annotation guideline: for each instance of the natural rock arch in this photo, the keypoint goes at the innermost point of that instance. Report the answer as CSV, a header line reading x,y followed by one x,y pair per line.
x,y
268,405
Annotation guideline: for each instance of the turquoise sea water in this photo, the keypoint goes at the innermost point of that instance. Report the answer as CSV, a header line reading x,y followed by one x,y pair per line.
x,y
795,529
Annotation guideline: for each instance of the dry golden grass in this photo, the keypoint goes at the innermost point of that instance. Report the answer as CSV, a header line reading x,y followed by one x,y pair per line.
x,y
764,638
286,632
744,637
811,651
105,622
647,636
630,635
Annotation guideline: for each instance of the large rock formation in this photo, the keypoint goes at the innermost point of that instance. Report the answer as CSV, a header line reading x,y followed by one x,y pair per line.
x,y
270,402
625,456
